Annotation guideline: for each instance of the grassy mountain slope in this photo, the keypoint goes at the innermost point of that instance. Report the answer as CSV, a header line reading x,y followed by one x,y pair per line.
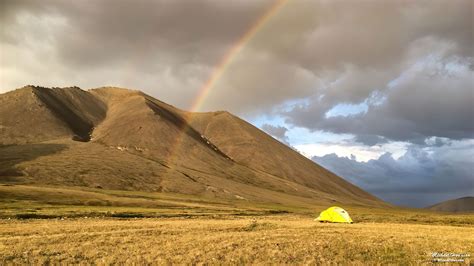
x,y
111,138
252,147
465,204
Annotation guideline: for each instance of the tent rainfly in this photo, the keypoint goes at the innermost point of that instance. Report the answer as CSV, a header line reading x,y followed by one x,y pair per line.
x,y
334,215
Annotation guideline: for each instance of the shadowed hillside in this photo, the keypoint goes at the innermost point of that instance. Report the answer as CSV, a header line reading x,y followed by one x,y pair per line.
x,y
120,139
465,204
79,110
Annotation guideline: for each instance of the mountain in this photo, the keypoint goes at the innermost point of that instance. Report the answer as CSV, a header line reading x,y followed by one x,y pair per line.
x,y
465,204
114,138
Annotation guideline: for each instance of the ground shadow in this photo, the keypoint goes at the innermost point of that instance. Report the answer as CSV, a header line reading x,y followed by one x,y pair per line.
x,y
182,125
12,155
65,110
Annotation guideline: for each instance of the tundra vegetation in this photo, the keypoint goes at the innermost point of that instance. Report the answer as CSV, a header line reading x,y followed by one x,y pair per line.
x,y
108,226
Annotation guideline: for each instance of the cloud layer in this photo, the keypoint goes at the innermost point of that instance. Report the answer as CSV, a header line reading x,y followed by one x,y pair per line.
x,y
421,177
410,62
169,48
278,132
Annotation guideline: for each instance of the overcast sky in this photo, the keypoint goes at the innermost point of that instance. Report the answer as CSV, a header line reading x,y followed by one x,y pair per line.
x,y
380,92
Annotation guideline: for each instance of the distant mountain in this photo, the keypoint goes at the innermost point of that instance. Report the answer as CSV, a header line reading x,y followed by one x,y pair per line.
x,y
115,138
465,204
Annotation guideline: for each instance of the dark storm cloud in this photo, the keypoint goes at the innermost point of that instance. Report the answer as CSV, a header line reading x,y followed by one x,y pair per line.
x,y
370,140
419,178
327,52
128,26
169,48
422,103
176,32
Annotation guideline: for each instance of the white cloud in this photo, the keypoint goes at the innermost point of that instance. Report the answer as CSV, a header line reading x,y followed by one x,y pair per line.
x,y
362,153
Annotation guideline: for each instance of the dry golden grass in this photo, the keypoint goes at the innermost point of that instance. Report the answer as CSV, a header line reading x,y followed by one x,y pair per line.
x,y
213,231
278,239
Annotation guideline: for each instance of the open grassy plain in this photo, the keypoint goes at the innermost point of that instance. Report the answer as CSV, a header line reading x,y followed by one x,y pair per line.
x,y
86,225
236,240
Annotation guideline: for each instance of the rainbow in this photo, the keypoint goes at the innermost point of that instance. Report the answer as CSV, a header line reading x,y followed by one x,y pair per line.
x,y
219,70
233,51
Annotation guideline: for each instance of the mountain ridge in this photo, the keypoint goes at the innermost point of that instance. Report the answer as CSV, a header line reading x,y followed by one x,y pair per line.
x,y
124,139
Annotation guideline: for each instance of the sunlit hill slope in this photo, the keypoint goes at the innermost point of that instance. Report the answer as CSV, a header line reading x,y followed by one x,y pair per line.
x,y
111,138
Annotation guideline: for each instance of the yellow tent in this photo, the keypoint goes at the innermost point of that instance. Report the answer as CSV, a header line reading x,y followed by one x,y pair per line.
x,y
334,215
